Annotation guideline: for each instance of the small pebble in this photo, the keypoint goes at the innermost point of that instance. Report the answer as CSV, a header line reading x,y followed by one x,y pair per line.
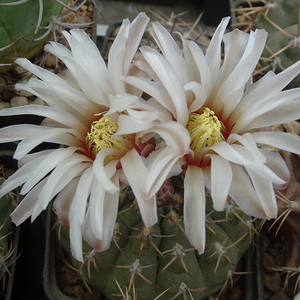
x,y
2,81
235,293
18,101
280,295
273,281
21,71
268,261
50,60
38,101
4,105
23,93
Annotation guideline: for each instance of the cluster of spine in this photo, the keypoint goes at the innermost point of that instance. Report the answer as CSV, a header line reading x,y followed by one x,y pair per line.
x,y
159,262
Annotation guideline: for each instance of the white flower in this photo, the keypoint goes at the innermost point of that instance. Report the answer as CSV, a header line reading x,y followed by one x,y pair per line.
x,y
85,174
227,118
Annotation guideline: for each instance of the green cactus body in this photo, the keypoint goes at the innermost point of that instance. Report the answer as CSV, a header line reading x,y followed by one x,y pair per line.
x,y
281,22
18,28
159,261
7,205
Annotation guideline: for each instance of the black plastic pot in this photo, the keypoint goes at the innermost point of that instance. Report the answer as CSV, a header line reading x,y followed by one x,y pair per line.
x,y
214,11
51,288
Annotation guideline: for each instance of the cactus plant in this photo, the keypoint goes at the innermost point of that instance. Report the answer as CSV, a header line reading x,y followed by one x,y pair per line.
x,y
23,34
280,18
7,204
159,262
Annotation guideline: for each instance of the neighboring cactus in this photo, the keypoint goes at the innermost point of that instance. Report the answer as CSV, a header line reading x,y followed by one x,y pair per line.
x,y
281,21
7,205
23,27
159,262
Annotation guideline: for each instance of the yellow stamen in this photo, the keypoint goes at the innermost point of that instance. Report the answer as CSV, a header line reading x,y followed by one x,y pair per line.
x,y
100,137
205,129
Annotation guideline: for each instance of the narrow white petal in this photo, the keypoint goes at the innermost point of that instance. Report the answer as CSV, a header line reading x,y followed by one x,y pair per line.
x,y
278,165
46,135
104,172
46,165
19,132
174,134
20,176
241,155
136,174
243,193
265,88
171,51
265,193
63,201
170,81
194,207
25,207
213,53
123,50
60,177
199,93
221,176
284,113
96,204
267,110
281,140
48,112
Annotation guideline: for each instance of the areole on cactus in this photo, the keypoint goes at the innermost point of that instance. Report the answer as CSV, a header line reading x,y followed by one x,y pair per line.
x,y
205,125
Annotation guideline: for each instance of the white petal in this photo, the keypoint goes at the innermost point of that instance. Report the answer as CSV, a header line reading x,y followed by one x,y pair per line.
x,y
284,113
63,201
48,112
136,174
243,193
20,176
281,140
265,88
170,51
47,135
278,165
61,176
123,50
18,132
267,110
240,155
87,66
77,211
199,93
194,207
170,81
265,193
103,172
46,165
174,134
213,53
221,176
25,207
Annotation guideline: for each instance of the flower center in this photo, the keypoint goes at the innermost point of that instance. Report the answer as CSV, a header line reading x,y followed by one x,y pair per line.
x,y
100,137
205,129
